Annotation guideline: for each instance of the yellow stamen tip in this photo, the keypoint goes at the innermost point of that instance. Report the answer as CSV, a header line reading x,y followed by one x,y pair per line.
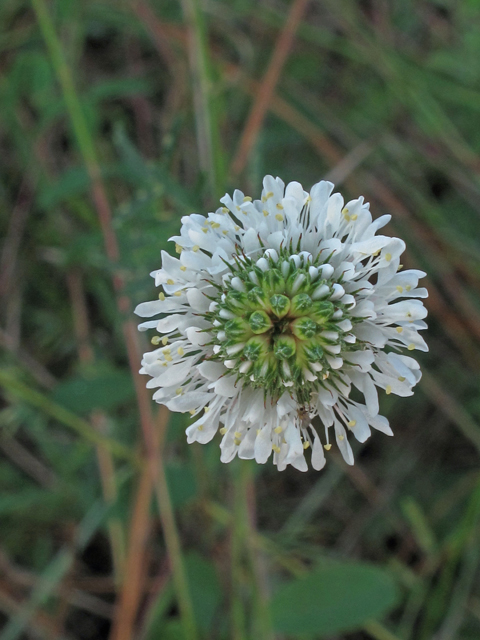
x,y
402,378
306,445
180,351
223,430
327,447
341,437
400,289
183,268
352,423
276,448
155,340
399,329
279,206
279,217
247,199
178,248
178,294
388,257
411,347
161,296
164,340
236,442
354,217
278,429
200,427
179,391
265,213
170,281
207,409
388,390
195,248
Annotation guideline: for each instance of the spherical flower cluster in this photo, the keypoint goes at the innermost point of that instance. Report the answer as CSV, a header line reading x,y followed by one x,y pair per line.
x,y
273,311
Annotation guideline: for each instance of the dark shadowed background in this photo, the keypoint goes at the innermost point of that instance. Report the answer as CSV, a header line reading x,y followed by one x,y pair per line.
x,y
116,119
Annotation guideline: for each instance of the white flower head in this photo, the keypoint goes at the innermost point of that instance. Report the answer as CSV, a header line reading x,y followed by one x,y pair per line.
x,y
273,311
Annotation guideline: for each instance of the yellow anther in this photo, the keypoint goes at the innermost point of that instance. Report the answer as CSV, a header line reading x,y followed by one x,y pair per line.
x,y
388,389
327,447
280,206
195,248
178,248
388,257
279,217
402,378
247,199
180,351
354,217
258,431
200,427
400,267
236,227
165,340
345,211
166,352
155,340
225,232
399,329
237,208
183,268
168,358
377,253
207,409
205,229
268,195
164,364
215,225
179,391
340,437
224,210
411,347
278,429
265,213
237,434
352,423
223,430
170,281
192,412
408,287
306,444
178,293
276,448
236,442
399,288
161,296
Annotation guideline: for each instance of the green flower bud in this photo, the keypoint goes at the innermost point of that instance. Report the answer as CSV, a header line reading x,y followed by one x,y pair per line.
x,y
257,347
312,350
280,305
257,297
322,311
304,328
260,322
285,347
235,301
301,304
238,328
273,282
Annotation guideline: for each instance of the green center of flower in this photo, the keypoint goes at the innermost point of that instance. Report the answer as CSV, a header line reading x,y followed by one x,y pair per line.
x,y
279,323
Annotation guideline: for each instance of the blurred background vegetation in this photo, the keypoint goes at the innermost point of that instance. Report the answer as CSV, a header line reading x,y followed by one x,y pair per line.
x,y
117,118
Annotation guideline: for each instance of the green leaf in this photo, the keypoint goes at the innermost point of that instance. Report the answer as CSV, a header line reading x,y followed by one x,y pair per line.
x,y
335,597
103,390
205,589
181,483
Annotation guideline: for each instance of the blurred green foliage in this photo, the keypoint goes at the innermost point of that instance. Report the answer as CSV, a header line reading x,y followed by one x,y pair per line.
x,y
381,97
